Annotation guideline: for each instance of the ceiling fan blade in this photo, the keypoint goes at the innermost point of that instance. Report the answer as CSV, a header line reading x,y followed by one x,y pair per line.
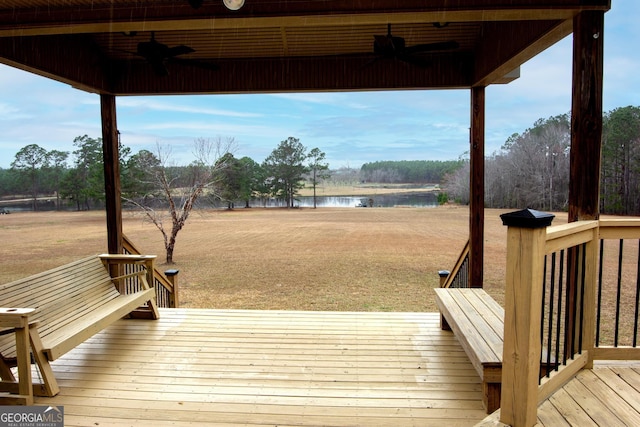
x,y
431,47
158,54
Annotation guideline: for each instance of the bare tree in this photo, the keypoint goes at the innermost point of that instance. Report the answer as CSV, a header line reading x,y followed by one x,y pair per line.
x,y
179,188
457,184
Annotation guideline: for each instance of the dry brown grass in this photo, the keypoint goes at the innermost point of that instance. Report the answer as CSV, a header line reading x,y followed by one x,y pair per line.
x,y
344,259
370,259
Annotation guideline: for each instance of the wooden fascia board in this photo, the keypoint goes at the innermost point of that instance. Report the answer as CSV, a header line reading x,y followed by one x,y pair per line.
x,y
294,75
498,56
73,61
140,19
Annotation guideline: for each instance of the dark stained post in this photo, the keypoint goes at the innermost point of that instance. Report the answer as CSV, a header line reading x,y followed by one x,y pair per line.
x,y
111,173
476,188
586,116
586,140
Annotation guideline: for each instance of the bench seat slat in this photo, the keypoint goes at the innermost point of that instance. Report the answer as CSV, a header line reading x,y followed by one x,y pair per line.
x,y
471,327
481,315
60,342
477,321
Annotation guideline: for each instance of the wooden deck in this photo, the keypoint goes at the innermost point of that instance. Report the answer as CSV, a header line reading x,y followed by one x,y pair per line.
x,y
218,367
607,396
604,396
285,368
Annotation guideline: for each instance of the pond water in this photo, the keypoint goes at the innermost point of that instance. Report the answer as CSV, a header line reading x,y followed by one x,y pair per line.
x,y
413,199
422,199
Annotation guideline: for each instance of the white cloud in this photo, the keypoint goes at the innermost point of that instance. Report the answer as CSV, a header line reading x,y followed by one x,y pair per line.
x,y
178,107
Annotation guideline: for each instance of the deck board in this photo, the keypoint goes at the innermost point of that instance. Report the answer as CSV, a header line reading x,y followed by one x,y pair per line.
x,y
285,368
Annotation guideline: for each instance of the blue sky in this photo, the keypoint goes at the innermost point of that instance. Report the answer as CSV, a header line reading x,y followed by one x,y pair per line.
x,y
351,128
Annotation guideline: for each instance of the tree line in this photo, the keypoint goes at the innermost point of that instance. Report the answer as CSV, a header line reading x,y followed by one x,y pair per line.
x,y
531,170
77,177
409,171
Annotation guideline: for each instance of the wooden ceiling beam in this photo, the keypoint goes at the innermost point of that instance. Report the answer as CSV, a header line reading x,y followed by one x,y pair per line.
x,y
506,45
72,60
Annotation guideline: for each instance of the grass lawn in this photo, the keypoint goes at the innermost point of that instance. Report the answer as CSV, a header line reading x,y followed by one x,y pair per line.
x,y
346,259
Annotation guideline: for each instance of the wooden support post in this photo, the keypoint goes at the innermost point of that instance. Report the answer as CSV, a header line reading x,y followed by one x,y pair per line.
x,y
586,134
110,145
476,188
586,116
526,240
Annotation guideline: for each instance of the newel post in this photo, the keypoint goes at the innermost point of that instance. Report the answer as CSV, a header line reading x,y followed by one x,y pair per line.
x,y
526,239
172,276
444,275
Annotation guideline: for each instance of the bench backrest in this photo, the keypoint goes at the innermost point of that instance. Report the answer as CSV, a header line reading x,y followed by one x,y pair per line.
x,y
59,296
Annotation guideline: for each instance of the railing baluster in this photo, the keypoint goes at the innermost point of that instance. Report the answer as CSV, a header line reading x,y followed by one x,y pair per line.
x,y
619,293
558,322
166,291
551,318
572,289
583,271
635,321
459,276
599,306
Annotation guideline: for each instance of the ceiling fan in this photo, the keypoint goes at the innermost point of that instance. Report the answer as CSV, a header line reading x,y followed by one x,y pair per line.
x,y
392,47
158,55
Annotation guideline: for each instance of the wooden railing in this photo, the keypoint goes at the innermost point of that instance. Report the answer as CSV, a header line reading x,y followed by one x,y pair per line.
x,y
618,290
165,282
566,271
458,277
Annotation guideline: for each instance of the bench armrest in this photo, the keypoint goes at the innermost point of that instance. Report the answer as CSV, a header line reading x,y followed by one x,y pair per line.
x,y
15,317
114,263
126,258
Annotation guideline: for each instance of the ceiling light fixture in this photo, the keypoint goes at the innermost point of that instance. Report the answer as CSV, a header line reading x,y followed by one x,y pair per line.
x,y
233,4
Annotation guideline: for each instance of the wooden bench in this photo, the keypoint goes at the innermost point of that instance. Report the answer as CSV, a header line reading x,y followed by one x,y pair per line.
x,y
69,304
477,320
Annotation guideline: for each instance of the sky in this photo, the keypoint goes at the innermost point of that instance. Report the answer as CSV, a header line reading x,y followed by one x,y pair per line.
x,y
351,128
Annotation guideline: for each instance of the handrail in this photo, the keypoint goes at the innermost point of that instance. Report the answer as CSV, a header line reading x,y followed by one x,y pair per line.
x,y
166,290
458,277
